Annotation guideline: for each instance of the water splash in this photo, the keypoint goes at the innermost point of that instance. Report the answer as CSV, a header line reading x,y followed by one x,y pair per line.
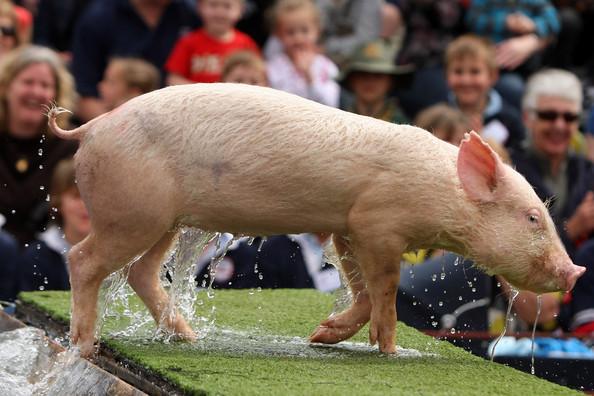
x,y
514,293
538,308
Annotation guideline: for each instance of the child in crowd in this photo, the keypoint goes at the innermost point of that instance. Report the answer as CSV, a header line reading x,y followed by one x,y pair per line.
x,y
370,75
126,78
471,72
199,56
445,122
245,67
450,124
301,69
44,261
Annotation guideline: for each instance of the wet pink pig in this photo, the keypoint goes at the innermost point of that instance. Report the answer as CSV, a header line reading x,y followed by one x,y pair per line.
x,y
256,161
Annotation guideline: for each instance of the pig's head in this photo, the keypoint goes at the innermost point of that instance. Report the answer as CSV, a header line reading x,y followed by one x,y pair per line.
x,y
513,234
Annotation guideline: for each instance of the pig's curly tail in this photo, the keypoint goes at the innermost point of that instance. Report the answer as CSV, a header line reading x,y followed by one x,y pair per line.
x,y
52,111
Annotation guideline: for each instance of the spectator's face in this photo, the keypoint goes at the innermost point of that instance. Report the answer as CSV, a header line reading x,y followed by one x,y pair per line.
x,y
113,88
246,74
7,35
74,213
31,88
470,79
552,124
298,31
219,16
370,88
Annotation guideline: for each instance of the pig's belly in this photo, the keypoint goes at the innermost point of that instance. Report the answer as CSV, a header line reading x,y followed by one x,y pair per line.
x,y
256,215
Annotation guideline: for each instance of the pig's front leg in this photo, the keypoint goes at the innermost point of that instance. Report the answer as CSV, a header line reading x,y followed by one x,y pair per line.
x,y
344,325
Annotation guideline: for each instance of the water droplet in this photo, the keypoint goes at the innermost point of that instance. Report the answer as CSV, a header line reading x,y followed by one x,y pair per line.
x,y
434,324
440,303
434,277
442,276
40,152
460,298
42,188
453,330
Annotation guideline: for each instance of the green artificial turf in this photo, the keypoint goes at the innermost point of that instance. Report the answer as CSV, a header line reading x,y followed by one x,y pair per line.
x,y
264,352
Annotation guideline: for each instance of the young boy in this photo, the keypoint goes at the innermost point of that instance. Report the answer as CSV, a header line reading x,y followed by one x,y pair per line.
x,y
126,78
370,75
471,72
199,56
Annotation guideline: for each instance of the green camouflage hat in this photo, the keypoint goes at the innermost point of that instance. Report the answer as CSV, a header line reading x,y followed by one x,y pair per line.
x,y
376,56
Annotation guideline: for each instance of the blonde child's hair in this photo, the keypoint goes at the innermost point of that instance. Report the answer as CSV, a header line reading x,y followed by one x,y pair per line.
x,y
471,46
138,73
283,7
242,58
443,118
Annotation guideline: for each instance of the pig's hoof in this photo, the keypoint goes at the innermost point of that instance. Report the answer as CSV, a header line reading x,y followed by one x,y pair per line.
x,y
388,348
328,333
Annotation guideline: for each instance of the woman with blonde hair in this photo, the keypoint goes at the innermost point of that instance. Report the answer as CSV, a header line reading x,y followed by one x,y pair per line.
x,y
30,78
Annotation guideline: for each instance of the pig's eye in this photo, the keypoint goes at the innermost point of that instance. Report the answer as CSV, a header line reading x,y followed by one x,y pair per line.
x,y
533,217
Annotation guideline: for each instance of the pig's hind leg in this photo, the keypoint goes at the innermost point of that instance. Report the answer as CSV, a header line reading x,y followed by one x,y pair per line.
x,y
344,325
105,250
144,279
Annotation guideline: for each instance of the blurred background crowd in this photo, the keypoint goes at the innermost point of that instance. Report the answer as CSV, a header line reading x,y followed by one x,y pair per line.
x,y
520,73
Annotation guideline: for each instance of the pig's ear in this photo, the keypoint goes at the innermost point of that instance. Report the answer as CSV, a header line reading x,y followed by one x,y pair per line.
x,y
479,168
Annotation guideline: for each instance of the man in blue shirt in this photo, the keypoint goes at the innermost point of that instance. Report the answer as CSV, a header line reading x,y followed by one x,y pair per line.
x,y
146,29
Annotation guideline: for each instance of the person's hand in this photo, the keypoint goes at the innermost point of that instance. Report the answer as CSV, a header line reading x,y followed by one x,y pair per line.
x,y
512,52
303,60
582,221
519,23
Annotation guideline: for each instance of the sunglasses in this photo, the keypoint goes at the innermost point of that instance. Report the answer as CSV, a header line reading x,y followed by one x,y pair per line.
x,y
7,31
552,115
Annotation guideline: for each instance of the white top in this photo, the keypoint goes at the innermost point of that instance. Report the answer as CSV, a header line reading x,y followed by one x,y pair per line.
x,y
323,89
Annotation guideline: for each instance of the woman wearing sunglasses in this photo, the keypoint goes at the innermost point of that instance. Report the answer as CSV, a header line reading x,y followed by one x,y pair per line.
x,y
551,108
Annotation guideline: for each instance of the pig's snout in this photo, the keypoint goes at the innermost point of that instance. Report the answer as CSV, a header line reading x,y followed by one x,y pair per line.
x,y
571,275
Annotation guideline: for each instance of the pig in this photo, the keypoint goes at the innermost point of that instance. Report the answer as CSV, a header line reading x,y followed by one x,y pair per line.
x,y
256,161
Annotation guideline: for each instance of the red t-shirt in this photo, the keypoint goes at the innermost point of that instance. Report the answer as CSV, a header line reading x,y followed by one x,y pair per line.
x,y
199,57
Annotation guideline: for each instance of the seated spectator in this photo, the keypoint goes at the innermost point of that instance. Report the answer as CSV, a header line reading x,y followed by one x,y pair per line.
x,y
520,30
126,78
30,78
370,75
282,261
44,261
10,34
471,72
142,28
245,67
199,56
552,105
300,68
9,265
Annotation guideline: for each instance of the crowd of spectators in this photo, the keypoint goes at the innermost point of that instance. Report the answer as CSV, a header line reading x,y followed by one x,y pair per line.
x,y
520,73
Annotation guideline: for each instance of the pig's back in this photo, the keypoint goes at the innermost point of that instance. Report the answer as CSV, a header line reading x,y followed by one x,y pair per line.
x,y
242,147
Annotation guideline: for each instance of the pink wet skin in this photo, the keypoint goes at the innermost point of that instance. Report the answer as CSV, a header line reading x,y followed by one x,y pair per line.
x,y
257,161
